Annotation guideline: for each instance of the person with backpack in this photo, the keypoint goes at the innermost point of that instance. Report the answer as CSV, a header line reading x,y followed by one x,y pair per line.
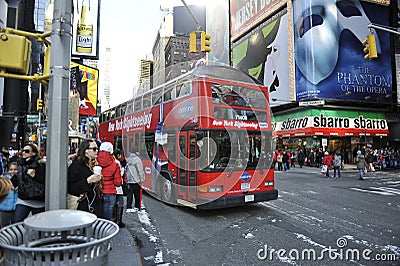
x,y
337,164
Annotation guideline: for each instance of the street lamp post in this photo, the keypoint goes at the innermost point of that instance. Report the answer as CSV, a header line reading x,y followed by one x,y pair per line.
x,y
57,141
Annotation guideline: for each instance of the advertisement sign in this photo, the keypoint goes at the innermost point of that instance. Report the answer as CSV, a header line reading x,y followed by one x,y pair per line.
x,y
84,82
263,54
85,36
245,14
218,28
317,122
328,49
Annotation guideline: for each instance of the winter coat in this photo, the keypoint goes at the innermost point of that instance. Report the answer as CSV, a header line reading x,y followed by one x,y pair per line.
x,y
27,185
10,201
111,172
370,158
78,172
360,161
328,161
134,172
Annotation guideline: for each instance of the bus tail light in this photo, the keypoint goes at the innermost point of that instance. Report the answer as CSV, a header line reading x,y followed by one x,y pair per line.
x,y
269,183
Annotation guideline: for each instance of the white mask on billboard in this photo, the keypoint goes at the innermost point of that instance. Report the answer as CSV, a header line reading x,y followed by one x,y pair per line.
x,y
317,45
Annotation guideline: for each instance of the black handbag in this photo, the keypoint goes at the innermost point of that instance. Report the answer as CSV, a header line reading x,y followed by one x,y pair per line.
x,y
30,189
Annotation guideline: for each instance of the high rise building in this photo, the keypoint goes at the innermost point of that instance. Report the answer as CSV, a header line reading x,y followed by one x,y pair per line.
x,y
145,74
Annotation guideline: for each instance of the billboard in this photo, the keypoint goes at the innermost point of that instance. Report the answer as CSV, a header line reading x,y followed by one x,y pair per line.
x,y
217,27
247,13
84,82
328,51
263,54
85,35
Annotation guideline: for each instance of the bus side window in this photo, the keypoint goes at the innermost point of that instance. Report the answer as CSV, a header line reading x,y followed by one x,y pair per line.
x,y
168,94
146,101
138,104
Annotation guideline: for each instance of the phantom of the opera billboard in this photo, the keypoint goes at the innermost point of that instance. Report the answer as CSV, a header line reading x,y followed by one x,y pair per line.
x,y
328,51
84,83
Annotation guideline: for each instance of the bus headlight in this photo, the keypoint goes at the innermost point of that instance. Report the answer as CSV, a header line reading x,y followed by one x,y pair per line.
x,y
269,183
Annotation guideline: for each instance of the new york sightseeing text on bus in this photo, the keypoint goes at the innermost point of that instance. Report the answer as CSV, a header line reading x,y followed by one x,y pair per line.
x,y
204,138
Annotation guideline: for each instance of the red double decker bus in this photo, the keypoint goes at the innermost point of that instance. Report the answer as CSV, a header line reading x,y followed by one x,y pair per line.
x,y
205,138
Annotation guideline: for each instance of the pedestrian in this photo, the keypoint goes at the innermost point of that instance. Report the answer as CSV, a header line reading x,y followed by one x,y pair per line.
x,y
361,164
119,205
300,158
31,183
5,188
7,207
370,159
111,172
82,182
135,176
327,160
285,161
337,164
293,159
279,159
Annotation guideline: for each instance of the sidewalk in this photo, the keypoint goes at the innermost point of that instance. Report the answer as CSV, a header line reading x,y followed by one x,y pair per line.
x,y
125,251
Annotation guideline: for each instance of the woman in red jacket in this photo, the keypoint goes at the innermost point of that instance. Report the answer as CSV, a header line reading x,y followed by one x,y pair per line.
x,y
112,178
328,162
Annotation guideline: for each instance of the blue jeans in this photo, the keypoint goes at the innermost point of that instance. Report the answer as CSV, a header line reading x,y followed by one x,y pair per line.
x,y
22,212
361,173
338,171
109,203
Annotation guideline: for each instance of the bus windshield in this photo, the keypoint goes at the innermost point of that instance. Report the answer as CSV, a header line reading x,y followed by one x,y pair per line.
x,y
234,150
238,96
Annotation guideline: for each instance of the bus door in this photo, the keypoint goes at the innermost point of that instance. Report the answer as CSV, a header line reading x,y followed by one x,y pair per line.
x,y
187,166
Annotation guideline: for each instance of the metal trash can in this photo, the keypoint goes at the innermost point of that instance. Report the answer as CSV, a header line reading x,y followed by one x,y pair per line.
x,y
59,237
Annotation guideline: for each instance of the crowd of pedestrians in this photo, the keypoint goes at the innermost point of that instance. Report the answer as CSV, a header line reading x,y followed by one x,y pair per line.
x,y
98,180
374,159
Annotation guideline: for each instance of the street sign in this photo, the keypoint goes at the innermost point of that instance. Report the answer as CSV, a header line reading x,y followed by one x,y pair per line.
x,y
312,103
32,119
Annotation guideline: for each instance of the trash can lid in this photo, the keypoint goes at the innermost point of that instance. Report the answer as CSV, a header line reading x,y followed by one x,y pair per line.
x,y
60,220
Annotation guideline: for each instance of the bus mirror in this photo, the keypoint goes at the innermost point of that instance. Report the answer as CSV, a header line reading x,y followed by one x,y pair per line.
x,y
199,135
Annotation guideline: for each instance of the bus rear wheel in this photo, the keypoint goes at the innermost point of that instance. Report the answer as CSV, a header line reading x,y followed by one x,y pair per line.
x,y
166,190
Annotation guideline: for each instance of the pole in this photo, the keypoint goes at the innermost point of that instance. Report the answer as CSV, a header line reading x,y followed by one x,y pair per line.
x,y
39,118
383,28
57,141
191,13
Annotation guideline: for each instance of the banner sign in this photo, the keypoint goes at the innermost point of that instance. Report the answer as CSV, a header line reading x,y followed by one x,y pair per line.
x,y
84,82
85,36
246,14
330,123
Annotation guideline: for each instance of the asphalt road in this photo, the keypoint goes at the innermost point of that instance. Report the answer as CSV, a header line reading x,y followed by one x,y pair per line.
x,y
315,221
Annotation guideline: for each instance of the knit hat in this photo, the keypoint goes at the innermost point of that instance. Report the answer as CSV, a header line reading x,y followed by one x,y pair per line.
x,y
107,146
358,152
326,153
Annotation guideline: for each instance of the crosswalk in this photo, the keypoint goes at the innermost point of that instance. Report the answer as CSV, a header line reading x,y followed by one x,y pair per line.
x,y
386,185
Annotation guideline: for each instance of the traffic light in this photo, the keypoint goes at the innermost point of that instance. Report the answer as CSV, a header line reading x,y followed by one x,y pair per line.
x,y
193,42
205,42
370,47
15,53
39,104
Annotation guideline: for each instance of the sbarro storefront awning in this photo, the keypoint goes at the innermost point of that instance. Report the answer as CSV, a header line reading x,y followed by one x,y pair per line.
x,y
317,122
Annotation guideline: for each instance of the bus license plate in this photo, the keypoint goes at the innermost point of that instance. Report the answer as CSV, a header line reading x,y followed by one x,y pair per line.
x,y
248,198
245,186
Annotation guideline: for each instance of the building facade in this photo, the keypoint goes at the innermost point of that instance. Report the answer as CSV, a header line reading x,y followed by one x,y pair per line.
x,y
323,93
